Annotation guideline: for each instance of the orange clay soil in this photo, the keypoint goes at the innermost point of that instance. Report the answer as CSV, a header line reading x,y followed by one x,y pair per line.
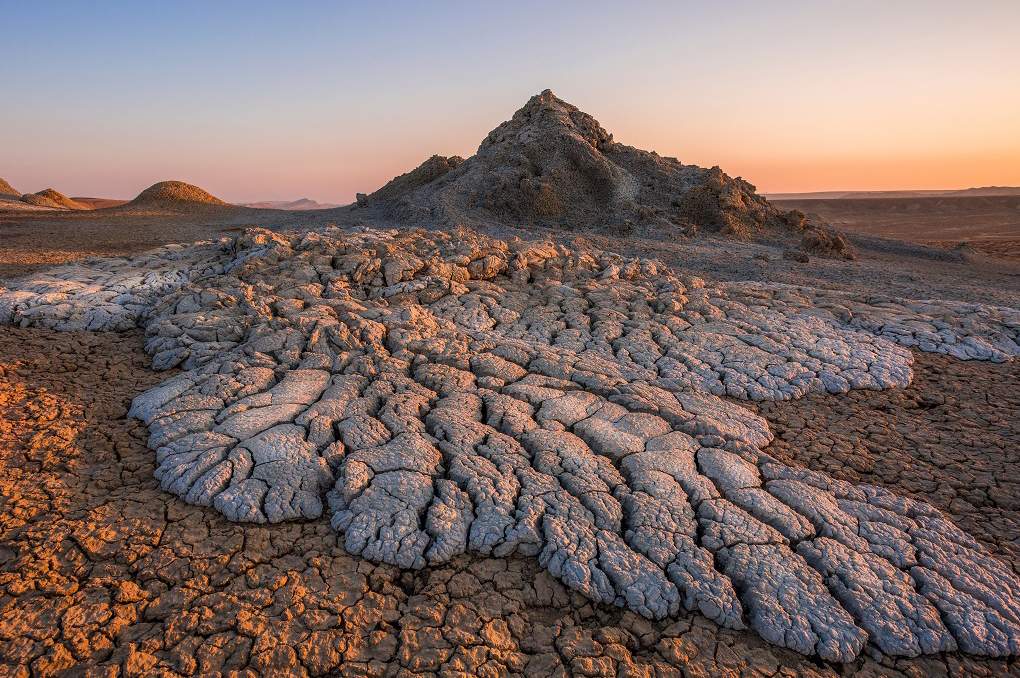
x,y
103,574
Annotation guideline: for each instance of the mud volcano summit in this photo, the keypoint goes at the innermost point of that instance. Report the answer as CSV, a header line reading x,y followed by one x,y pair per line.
x,y
554,165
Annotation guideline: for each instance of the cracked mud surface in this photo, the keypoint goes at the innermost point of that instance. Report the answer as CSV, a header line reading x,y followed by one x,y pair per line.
x,y
952,439
103,573
466,395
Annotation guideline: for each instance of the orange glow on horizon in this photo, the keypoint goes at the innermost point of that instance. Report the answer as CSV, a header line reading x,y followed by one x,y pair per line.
x,y
795,96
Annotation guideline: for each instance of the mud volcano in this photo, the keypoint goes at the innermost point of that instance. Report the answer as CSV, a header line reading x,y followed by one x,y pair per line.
x,y
171,195
554,165
52,199
439,393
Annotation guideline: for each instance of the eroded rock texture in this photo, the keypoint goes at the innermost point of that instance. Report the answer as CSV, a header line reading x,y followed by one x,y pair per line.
x,y
444,394
552,164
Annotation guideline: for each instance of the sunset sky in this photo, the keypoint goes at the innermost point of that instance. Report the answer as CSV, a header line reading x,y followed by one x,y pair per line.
x,y
278,100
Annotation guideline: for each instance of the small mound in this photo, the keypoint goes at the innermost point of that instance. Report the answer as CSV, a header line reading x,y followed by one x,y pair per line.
x,y
52,199
820,239
174,193
6,190
828,243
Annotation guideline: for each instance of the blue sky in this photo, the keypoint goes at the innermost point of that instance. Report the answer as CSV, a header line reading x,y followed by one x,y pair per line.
x,y
273,100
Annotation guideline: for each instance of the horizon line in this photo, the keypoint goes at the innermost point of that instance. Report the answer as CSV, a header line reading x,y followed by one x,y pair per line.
x,y
342,202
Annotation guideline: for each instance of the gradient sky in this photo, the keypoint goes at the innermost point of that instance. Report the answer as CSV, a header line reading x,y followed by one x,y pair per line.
x,y
264,101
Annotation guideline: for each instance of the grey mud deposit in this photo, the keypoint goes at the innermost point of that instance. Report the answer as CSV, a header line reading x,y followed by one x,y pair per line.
x,y
440,395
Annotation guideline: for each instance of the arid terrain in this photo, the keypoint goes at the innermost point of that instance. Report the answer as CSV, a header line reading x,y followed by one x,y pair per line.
x,y
37,238
984,223
102,569
633,419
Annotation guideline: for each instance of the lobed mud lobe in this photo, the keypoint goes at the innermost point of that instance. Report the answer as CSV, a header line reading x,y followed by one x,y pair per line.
x,y
454,394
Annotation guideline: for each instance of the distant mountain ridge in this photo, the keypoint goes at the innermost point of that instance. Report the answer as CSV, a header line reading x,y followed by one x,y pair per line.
x,y
300,204
977,192
52,199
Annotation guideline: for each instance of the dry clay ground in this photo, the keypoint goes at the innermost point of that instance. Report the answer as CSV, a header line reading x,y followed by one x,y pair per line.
x,y
102,573
988,224
37,239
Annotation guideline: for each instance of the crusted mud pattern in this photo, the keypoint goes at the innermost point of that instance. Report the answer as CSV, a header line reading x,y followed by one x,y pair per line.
x,y
952,439
104,574
447,394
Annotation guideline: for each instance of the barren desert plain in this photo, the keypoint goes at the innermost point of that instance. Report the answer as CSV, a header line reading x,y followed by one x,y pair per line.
x,y
564,407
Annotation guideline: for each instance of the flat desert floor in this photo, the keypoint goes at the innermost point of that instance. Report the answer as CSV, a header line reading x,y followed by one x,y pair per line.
x,y
103,574
32,240
989,224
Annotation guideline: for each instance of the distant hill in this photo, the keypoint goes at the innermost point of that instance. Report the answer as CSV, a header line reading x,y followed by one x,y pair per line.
x,y
9,203
174,195
300,204
52,199
8,191
554,165
49,199
986,192
979,192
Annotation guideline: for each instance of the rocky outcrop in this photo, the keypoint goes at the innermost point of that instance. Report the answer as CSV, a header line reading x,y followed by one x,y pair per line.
x,y
819,239
554,165
825,242
445,393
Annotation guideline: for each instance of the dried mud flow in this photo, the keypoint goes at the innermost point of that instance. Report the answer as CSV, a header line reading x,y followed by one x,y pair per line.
x,y
104,574
464,395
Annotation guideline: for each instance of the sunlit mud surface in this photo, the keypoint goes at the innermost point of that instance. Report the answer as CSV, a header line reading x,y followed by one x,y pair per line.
x,y
105,574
